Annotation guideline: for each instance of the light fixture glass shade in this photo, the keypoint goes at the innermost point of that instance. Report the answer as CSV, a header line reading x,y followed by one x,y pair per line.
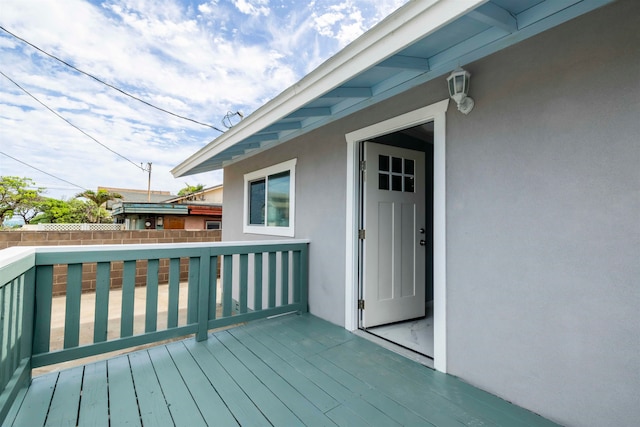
x,y
458,82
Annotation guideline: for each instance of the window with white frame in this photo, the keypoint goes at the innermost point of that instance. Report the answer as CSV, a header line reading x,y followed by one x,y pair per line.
x,y
269,200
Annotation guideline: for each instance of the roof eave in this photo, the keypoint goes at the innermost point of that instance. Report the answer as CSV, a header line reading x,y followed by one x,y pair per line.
x,y
400,29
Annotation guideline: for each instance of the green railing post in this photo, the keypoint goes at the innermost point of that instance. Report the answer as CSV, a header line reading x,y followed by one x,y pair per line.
x,y
203,296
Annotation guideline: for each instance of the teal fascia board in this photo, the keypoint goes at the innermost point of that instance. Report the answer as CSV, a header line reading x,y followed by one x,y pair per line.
x,y
151,208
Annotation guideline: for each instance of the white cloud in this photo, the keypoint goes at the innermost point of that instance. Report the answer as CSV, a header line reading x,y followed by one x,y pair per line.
x,y
254,8
198,60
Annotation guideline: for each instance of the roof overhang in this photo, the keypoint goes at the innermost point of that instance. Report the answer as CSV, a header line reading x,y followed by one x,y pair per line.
x,y
420,41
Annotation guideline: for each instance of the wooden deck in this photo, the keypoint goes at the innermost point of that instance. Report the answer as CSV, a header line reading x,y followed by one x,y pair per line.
x,y
288,371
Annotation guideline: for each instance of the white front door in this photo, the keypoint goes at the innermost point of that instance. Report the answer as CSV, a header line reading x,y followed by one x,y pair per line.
x,y
394,239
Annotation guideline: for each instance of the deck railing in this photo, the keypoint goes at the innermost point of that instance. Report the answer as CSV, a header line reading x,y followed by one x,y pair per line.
x,y
228,283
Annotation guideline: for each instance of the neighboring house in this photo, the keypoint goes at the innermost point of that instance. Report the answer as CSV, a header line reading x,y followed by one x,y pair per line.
x,y
206,195
518,223
167,211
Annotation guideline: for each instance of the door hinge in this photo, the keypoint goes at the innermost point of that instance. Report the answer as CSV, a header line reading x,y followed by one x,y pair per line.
x,y
361,234
360,304
363,165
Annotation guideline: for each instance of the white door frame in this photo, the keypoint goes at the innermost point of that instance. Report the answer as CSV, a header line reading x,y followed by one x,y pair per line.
x,y
437,114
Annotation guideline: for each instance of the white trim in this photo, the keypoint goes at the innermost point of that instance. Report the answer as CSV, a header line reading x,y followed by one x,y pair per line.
x,y
289,165
436,113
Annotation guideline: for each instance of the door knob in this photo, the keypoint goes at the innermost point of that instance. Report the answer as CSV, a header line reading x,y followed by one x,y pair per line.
x,y
423,243
421,231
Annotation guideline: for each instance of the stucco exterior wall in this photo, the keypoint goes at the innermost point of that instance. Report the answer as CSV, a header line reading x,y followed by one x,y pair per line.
x,y
543,209
543,223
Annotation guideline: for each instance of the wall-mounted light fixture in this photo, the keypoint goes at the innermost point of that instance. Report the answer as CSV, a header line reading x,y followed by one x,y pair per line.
x,y
458,82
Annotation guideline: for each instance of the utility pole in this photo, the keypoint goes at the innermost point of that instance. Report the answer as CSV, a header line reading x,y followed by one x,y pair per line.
x,y
148,169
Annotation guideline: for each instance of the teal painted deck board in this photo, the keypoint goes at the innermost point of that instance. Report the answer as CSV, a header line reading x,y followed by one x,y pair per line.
x,y
290,370
259,393
122,395
206,397
35,405
64,405
305,386
184,411
94,405
151,401
297,403
241,406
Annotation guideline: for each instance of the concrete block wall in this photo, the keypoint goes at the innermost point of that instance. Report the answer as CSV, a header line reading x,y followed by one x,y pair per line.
x,y
61,238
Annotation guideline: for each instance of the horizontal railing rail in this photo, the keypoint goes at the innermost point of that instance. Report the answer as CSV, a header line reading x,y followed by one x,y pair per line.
x,y
228,283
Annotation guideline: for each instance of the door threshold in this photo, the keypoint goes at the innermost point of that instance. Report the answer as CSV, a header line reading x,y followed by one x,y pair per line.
x,y
398,349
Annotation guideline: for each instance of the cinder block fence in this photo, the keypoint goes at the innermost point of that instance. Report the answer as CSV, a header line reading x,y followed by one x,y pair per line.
x,y
62,238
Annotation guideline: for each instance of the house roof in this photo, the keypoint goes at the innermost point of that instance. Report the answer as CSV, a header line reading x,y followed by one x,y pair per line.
x,y
175,199
132,195
419,42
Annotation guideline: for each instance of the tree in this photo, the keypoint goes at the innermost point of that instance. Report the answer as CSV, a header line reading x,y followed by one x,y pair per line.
x,y
17,195
54,211
99,198
190,189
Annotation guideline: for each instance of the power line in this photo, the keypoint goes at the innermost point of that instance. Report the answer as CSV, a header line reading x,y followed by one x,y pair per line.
x,y
71,124
107,84
40,170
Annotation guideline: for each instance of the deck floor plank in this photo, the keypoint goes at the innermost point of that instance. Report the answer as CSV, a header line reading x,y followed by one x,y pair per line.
x,y
183,409
66,398
286,371
35,404
268,403
94,404
423,401
309,414
241,406
151,400
205,396
455,391
307,388
123,406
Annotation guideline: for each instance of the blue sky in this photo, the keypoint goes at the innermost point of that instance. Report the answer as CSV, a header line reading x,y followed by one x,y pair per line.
x,y
199,59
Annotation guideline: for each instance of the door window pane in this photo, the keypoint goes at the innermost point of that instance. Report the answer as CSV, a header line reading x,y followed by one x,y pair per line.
x,y
383,181
383,163
408,167
396,165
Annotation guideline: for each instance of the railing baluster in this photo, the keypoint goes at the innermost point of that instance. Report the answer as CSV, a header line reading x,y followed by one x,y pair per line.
x,y
72,307
296,276
227,285
285,277
101,316
151,312
128,298
272,279
44,293
257,281
303,278
192,298
244,274
174,293
203,297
